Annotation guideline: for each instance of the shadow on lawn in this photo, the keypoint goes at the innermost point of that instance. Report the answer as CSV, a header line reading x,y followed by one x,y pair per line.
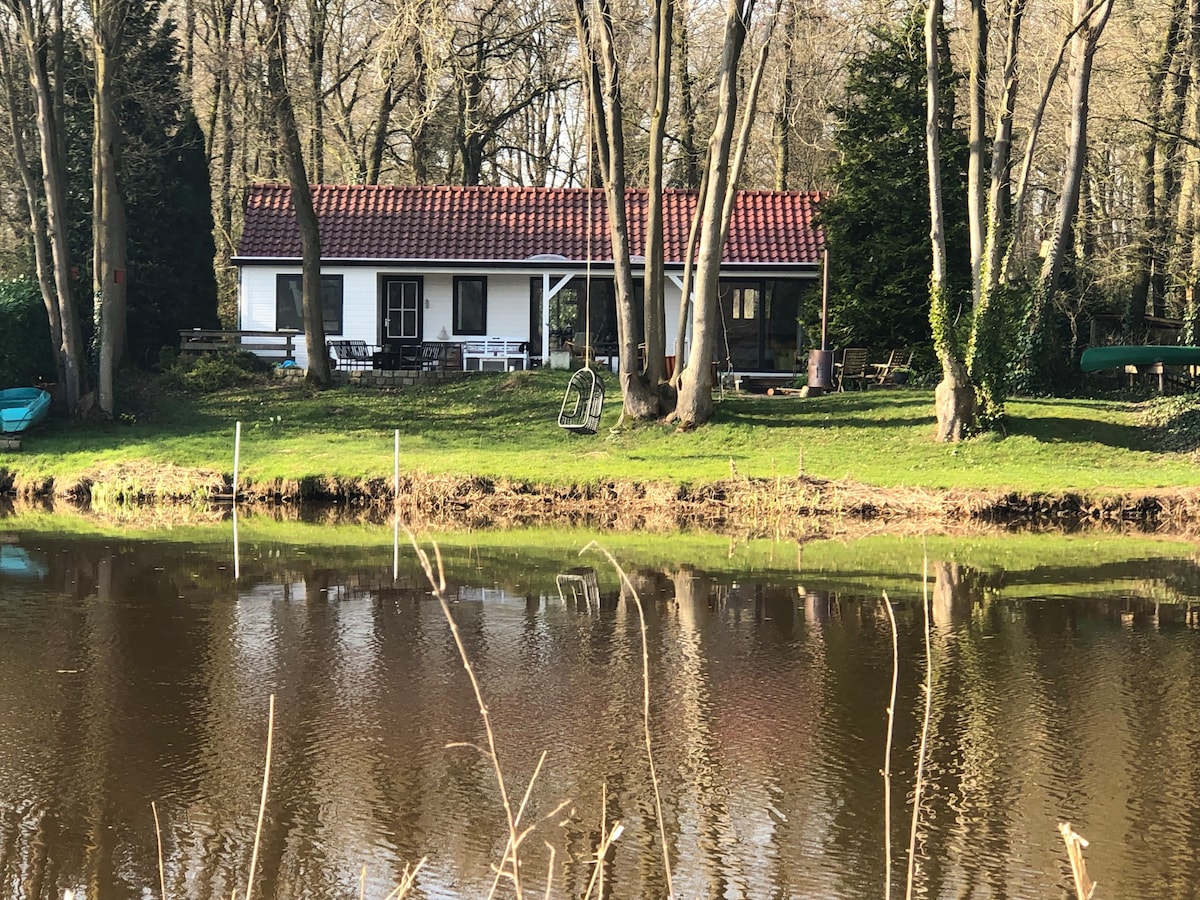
x,y
834,410
915,409
1060,430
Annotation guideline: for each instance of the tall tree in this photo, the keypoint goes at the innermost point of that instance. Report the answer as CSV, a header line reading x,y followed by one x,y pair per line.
x,y
17,119
986,355
275,37
1090,19
40,32
954,397
1149,257
977,110
695,378
109,235
169,204
603,82
880,258
655,324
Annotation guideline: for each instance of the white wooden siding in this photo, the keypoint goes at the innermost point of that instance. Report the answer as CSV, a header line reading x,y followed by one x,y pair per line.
x,y
507,303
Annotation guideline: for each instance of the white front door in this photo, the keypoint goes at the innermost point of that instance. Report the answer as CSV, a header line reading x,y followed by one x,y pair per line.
x,y
402,310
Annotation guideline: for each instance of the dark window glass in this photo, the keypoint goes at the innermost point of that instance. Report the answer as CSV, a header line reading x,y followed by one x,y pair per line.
x,y
470,305
289,303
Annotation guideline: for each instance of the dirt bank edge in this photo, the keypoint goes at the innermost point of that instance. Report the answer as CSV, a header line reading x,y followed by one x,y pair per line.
x,y
779,506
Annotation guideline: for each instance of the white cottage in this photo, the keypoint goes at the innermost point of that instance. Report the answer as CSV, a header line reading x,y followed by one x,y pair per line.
x,y
460,266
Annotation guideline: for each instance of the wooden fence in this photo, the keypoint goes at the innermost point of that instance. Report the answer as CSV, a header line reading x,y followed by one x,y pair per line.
x,y
279,345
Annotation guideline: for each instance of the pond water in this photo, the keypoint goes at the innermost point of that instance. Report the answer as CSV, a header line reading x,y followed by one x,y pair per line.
x,y
139,671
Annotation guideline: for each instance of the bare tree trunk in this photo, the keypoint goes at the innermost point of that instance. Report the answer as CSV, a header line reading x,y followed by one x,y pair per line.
x,y
48,96
306,217
655,316
421,150
1083,48
596,40
954,397
1187,183
33,202
977,102
689,161
695,404
317,16
108,213
379,134
1031,140
189,40
781,115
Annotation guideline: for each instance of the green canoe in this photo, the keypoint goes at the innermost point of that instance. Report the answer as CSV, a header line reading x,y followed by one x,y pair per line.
x,y
1096,358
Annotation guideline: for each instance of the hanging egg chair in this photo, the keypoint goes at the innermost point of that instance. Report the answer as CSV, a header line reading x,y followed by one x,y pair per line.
x,y
582,403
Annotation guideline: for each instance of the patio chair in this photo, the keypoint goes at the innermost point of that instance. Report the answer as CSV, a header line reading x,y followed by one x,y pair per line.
x,y
351,354
852,368
895,371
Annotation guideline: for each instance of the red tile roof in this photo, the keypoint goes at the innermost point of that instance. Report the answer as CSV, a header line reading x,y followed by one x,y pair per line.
x,y
510,224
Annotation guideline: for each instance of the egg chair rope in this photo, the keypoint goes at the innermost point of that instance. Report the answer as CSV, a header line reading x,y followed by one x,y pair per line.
x,y
584,397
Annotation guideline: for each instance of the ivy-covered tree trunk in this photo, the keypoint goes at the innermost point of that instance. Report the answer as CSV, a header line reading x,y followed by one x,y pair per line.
x,y
955,395
987,356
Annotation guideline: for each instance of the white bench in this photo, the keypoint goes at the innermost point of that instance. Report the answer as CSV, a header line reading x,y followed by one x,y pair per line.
x,y
495,354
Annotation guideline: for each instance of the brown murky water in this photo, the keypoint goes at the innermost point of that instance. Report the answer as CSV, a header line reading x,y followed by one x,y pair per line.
x,y
134,673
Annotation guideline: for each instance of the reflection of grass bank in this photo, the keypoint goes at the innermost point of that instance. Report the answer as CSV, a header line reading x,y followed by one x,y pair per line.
x,y
1014,566
490,443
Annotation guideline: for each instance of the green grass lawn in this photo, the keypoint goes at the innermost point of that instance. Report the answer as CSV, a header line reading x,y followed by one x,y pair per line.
x,y
505,426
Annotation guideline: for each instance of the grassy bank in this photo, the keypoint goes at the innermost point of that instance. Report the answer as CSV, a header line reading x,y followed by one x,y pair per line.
x,y
504,427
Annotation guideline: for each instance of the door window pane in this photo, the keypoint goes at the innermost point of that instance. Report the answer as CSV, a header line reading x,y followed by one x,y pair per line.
x,y
402,312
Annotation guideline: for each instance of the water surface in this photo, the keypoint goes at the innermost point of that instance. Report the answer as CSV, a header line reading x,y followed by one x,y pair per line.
x,y
135,672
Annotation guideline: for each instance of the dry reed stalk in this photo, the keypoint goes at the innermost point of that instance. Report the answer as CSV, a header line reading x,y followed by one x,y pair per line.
x,y
511,849
887,752
262,803
162,874
549,871
608,838
920,780
662,828
1085,888
407,879
437,583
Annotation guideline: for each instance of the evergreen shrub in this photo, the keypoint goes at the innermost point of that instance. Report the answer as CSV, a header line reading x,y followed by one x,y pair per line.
x,y
26,354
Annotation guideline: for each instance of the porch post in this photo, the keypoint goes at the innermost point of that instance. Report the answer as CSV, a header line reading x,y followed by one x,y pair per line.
x,y
548,293
545,318
681,351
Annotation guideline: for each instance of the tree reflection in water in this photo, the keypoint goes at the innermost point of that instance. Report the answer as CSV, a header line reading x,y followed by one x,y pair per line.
x,y
137,672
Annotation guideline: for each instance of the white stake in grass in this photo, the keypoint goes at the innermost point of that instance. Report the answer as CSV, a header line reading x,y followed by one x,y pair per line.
x,y
237,452
396,512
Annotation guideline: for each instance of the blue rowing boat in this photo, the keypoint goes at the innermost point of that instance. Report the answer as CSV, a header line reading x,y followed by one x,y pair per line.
x,y
21,408
1096,358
